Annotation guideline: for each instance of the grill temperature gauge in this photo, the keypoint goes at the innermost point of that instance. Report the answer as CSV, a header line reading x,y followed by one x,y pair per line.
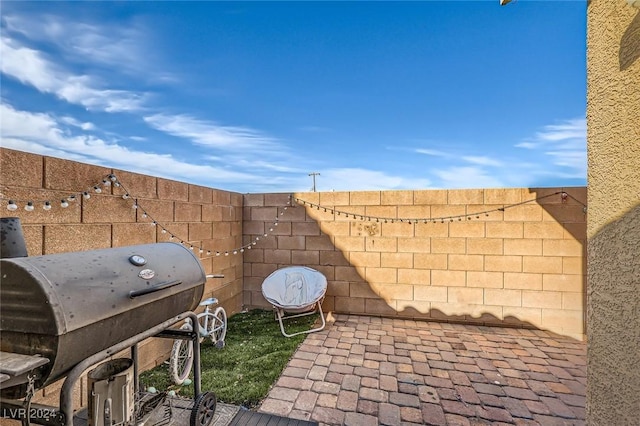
x,y
137,260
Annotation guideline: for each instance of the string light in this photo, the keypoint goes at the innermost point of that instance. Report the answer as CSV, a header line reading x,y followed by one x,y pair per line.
x,y
412,221
112,180
145,215
30,205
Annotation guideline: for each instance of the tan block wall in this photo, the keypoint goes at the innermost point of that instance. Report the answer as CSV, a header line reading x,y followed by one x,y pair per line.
x,y
523,266
204,217
613,139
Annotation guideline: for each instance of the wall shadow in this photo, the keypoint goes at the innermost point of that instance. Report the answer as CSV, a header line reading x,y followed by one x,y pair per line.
x,y
350,292
613,322
562,209
630,44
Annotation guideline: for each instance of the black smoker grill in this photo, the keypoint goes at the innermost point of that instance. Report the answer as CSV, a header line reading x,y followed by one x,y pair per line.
x,y
77,309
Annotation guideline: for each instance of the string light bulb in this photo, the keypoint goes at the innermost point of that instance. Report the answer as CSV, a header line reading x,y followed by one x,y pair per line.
x,y
47,205
86,195
64,203
29,207
12,206
97,189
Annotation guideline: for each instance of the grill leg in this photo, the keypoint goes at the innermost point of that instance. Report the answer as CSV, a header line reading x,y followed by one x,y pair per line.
x,y
196,359
134,357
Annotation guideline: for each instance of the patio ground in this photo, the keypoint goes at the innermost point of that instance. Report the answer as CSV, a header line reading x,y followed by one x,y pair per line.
x,y
366,370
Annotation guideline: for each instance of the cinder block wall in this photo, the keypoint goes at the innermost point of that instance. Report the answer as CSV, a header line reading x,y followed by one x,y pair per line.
x,y
524,266
204,217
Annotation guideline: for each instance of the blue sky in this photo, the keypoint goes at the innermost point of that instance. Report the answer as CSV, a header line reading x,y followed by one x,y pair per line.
x,y
253,96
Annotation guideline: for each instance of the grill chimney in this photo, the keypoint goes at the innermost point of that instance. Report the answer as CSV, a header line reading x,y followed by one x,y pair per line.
x,y
12,242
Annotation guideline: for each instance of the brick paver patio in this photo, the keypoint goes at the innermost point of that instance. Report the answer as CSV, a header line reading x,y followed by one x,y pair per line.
x,y
365,370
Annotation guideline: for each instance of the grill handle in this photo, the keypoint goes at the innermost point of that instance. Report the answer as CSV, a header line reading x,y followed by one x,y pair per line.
x,y
153,289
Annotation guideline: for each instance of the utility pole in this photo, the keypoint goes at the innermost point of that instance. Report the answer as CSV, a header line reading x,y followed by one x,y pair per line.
x,y
313,176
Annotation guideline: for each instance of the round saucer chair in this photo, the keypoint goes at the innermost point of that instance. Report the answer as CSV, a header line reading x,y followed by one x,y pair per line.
x,y
295,291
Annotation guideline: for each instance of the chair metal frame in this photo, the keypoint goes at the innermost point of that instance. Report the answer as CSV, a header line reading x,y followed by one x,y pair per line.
x,y
284,312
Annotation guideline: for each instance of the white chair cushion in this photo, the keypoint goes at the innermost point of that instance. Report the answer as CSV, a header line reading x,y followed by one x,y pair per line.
x,y
294,287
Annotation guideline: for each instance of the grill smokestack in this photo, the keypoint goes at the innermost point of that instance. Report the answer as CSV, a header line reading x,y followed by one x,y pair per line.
x,y
12,241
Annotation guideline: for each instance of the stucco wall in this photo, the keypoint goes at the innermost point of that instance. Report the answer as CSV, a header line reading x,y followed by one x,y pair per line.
x,y
523,266
613,122
202,216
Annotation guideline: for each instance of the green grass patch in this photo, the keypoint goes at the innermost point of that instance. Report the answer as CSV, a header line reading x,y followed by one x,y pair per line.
x,y
253,358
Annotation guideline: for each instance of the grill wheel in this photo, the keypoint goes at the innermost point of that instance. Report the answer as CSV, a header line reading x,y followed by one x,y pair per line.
x,y
203,409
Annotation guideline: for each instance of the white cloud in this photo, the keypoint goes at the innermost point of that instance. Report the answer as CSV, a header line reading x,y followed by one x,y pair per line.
x,y
575,161
287,167
571,132
527,145
467,177
76,123
30,67
122,47
42,134
432,152
211,134
566,145
483,161
570,129
357,179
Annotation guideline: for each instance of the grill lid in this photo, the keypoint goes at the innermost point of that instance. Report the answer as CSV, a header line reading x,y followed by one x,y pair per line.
x,y
56,294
